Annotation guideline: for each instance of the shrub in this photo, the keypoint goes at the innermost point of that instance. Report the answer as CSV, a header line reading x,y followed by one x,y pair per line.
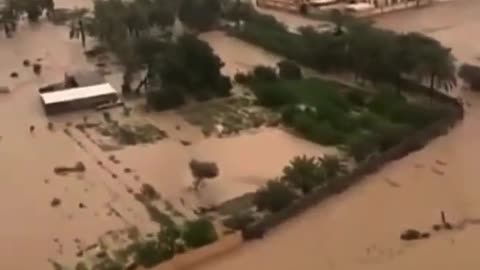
x,y
199,233
362,145
149,254
242,78
239,220
288,70
264,73
165,99
223,86
320,132
271,95
332,166
303,173
357,97
274,197
471,75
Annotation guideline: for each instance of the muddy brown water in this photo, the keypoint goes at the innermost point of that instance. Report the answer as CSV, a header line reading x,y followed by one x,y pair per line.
x,y
32,229
360,229
357,230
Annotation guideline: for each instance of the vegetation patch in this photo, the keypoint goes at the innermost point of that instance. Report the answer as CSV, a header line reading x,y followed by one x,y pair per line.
x,y
361,122
224,117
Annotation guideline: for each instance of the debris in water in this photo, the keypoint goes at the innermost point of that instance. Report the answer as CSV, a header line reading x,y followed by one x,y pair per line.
x,y
185,143
79,253
437,227
127,170
55,202
101,254
114,176
14,75
177,127
37,69
26,63
50,126
100,163
440,162
46,181
114,159
79,167
136,177
81,205
4,90
32,128
437,171
410,234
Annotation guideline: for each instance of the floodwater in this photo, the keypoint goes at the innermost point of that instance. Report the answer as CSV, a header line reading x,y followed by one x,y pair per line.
x,y
100,199
360,229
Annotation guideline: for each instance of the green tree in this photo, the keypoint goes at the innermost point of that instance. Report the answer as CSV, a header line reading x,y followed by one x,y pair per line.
x,y
289,70
332,166
199,233
303,173
200,15
274,197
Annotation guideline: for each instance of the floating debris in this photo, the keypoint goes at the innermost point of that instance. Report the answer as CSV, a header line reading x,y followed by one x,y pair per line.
x,y
79,167
4,89
37,69
127,170
440,162
410,234
55,202
26,63
114,159
185,143
14,75
81,205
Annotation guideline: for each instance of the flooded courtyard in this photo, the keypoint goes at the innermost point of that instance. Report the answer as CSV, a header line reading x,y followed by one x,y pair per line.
x,y
361,228
358,230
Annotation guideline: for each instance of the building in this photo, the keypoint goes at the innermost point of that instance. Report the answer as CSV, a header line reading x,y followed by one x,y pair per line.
x,y
78,98
80,78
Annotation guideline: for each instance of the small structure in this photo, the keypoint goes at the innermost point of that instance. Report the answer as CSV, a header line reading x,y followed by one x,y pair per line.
x,y
78,98
81,78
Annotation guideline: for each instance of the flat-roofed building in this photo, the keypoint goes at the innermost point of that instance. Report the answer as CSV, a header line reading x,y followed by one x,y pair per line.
x,y
78,98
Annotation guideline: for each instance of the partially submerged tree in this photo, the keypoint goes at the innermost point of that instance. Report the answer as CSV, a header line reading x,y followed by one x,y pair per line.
x,y
202,170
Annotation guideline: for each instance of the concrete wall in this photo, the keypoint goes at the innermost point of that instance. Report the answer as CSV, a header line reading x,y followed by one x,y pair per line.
x,y
201,255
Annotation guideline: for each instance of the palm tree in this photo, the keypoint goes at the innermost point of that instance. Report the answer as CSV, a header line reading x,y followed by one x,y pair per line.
x,y
332,166
303,173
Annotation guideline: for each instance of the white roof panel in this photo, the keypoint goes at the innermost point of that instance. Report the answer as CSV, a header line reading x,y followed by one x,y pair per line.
x,y
77,93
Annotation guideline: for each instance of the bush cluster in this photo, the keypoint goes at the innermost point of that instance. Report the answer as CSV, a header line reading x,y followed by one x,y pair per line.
x,y
327,113
302,175
369,53
471,75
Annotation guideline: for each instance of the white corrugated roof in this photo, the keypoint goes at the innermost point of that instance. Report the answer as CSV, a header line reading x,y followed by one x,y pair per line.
x,y
77,93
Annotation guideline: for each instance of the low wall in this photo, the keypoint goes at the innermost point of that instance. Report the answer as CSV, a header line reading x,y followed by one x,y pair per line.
x,y
340,184
203,254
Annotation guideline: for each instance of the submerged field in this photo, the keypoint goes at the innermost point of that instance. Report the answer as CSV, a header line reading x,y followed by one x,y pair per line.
x,y
50,217
100,204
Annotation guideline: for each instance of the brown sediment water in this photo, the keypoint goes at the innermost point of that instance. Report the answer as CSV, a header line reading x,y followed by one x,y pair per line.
x,y
100,199
359,229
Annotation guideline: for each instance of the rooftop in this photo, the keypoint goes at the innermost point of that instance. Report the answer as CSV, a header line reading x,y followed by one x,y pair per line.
x,y
77,93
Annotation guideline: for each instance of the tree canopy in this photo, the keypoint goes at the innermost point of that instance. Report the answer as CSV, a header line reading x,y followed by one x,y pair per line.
x,y
356,47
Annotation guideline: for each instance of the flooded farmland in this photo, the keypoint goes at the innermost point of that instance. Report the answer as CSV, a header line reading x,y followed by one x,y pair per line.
x,y
50,217
360,229
357,230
